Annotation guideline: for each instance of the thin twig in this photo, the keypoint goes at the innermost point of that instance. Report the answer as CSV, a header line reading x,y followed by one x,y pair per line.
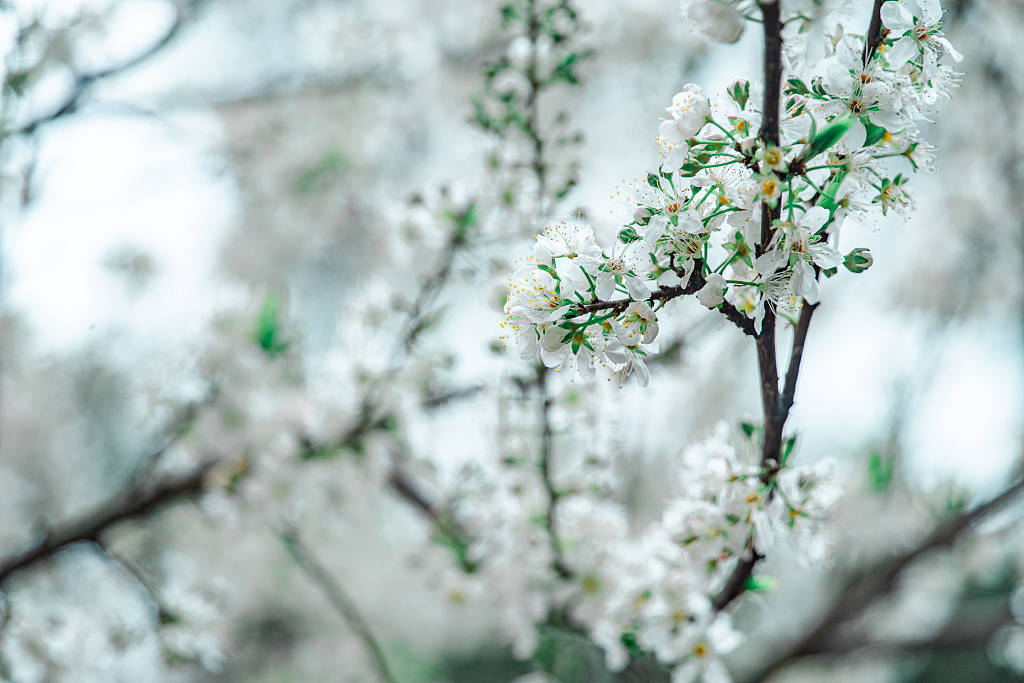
x,y
164,614
338,598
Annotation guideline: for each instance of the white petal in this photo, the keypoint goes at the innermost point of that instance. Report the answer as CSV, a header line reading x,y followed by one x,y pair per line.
x,y
675,159
932,11
605,285
716,673
856,136
643,375
825,256
948,47
667,129
896,18
685,673
655,229
635,287
815,218
903,50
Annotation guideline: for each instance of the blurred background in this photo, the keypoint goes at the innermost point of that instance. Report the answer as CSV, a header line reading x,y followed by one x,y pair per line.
x,y
274,235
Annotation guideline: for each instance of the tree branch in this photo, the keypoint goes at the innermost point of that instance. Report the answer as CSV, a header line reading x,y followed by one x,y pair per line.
x,y
667,293
558,563
874,37
796,355
338,598
767,362
137,501
880,580
84,82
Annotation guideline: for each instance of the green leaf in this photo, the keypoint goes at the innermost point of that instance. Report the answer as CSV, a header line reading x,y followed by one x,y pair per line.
x,y
875,133
880,472
830,135
828,197
796,86
761,584
268,328
628,235
786,450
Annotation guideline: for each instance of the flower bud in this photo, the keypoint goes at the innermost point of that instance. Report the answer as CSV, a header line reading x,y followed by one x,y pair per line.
x,y
858,260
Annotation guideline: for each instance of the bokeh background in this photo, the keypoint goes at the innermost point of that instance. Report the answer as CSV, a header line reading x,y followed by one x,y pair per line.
x,y
216,217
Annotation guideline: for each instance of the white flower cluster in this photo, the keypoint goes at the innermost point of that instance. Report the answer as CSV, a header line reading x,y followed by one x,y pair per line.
x,y
649,591
695,226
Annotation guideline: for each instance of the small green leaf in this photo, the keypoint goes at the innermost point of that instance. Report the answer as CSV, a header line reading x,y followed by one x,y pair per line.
x,y
628,235
875,133
830,135
761,584
268,328
880,472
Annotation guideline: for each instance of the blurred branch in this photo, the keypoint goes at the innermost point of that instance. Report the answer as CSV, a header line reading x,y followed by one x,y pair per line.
x,y
880,580
415,322
958,634
163,613
136,501
440,398
544,463
179,427
338,598
84,82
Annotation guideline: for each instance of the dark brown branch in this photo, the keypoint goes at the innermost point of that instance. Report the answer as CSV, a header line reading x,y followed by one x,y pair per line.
x,y
772,71
667,293
135,502
880,580
767,361
737,582
339,600
875,35
796,355
663,293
